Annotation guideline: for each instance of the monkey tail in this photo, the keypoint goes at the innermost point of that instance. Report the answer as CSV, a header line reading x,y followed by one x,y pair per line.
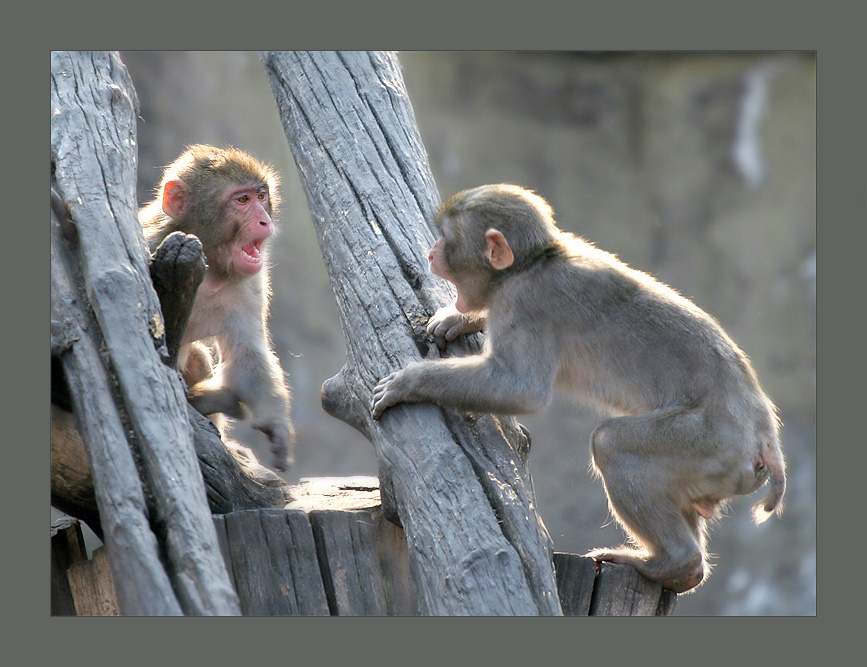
x,y
771,456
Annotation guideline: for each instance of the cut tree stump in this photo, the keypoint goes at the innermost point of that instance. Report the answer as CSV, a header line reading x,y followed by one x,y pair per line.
x,y
332,552
608,589
93,587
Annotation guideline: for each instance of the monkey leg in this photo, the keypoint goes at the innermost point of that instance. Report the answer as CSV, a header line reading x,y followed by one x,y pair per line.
x,y
177,269
209,400
673,553
652,467
195,363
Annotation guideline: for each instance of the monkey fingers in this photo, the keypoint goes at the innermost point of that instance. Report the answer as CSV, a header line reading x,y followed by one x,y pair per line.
x,y
281,435
386,393
625,556
180,255
177,269
448,323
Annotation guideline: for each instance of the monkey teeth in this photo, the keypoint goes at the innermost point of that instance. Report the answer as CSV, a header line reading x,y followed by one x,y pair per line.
x,y
252,253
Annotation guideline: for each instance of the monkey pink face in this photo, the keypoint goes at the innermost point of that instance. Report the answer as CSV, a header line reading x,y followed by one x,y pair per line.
x,y
466,285
249,208
436,259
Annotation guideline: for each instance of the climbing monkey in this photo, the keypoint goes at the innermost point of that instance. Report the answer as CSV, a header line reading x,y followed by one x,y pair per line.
x,y
226,198
690,426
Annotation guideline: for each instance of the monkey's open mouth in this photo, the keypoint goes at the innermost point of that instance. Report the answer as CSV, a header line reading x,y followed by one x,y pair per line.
x,y
249,257
253,251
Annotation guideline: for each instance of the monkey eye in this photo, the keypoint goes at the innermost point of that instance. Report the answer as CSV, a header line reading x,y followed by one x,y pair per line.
x,y
262,196
244,199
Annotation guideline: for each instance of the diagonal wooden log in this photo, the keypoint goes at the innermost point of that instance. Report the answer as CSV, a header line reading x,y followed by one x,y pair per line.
x,y
234,479
125,527
458,483
128,405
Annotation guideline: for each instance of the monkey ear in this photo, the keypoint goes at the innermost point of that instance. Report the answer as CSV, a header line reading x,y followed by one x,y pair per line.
x,y
174,199
497,250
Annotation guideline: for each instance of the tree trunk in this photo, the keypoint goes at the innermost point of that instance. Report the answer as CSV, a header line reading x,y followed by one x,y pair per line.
x,y
458,483
107,330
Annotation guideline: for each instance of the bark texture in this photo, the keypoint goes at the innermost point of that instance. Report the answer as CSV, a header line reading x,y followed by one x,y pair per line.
x,y
457,483
108,333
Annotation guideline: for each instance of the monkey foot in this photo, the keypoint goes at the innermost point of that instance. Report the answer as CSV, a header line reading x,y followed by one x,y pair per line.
x,y
179,259
177,270
650,567
623,556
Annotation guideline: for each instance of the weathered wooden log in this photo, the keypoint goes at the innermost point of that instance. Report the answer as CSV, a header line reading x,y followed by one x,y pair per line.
x,y
92,586
576,577
272,556
71,479
608,589
621,591
67,548
333,552
364,557
234,478
107,330
125,524
457,483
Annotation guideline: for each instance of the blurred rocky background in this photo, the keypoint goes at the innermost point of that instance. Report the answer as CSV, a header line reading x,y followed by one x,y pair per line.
x,y
697,167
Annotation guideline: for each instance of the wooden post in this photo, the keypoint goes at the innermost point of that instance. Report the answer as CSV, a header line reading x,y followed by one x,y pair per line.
x,y
608,589
457,483
67,548
107,330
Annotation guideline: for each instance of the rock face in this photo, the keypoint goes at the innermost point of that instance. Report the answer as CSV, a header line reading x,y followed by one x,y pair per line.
x,y
698,168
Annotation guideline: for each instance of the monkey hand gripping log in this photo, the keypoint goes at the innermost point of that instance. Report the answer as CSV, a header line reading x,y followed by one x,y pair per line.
x,y
177,270
458,485
694,427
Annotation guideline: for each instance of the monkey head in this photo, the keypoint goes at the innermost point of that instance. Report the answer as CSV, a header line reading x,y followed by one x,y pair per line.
x,y
486,233
226,198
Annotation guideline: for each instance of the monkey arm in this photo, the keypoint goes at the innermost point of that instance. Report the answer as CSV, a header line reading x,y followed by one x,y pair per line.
x,y
500,382
249,372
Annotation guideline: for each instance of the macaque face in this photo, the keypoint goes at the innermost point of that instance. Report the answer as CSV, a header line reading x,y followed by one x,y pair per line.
x,y
248,209
436,259
468,262
442,260
232,221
